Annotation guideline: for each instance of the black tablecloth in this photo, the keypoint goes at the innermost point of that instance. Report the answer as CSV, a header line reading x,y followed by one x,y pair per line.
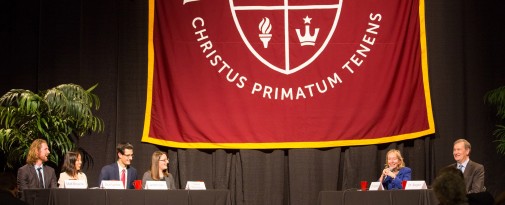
x,y
394,197
125,197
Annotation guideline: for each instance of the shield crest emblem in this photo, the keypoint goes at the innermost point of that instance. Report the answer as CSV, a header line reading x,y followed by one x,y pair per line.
x,y
287,36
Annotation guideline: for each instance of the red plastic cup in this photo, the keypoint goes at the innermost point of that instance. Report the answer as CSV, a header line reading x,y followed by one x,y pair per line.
x,y
404,183
364,185
137,184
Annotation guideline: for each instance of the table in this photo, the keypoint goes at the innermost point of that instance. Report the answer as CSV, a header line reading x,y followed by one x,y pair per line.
x,y
126,197
393,197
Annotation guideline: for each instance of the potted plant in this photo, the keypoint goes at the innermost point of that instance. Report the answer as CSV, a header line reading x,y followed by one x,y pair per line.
x,y
496,97
60,115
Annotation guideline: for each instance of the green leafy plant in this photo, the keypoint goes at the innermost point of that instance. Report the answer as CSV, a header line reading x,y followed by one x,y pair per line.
x,y
60,115
496,97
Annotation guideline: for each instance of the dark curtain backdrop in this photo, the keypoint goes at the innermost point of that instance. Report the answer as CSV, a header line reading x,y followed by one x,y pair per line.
x,y
47,43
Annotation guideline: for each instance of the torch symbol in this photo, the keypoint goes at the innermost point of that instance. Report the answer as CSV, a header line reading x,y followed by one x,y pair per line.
x,y
265,28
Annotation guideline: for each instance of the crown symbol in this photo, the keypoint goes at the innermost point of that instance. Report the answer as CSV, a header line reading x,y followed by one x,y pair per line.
x,y
307,39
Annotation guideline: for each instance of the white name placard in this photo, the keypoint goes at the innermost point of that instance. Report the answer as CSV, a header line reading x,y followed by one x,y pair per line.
x,y
111,184
376,186
75,184
156,185
415,185
195,185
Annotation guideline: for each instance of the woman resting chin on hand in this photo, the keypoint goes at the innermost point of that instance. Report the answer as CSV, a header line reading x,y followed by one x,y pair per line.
x,y
395,171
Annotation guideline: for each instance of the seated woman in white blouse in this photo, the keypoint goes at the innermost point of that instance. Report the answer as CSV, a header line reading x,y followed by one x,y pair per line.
x,y
71,169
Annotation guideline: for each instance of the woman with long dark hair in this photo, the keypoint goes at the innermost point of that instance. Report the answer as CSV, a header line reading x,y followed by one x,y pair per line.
x,y
71,169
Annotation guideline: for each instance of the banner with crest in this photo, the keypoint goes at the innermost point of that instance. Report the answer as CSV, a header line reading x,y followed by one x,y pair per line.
x,y
268,74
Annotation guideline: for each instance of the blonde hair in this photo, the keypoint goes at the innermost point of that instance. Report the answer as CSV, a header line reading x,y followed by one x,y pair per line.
x,y
398,155
33,153
155,165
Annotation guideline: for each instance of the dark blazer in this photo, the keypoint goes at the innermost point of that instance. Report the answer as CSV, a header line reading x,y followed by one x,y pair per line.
x,y
27,177
111,172
389,183
474,177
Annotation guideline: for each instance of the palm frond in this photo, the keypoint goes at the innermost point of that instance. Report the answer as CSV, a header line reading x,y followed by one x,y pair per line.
x,y
500,134
54,114
14,146
496,97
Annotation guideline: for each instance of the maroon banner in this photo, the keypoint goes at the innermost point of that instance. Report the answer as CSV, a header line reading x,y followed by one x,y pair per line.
x,y
267,74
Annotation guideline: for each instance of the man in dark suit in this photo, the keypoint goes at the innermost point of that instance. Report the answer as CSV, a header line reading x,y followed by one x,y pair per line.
x,y
473,172
34,174
121,169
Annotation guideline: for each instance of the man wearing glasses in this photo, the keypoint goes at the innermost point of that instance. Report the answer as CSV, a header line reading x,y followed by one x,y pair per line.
x,y
121,170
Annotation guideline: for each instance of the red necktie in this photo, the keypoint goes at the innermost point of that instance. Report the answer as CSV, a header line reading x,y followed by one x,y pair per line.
x,y
123,177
